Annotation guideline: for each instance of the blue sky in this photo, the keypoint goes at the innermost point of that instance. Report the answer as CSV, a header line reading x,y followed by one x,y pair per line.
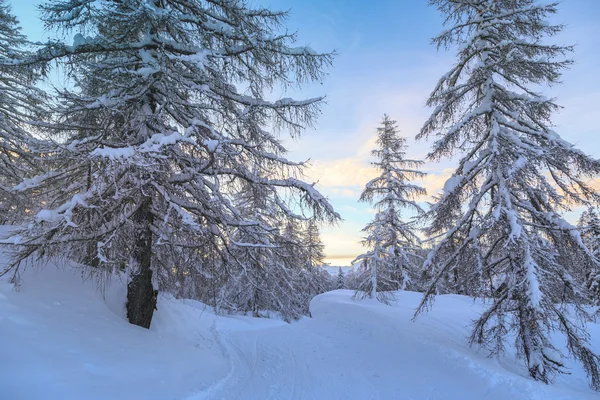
x,y
387,65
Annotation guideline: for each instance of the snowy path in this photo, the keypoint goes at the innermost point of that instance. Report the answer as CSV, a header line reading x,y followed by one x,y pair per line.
x,y
363,350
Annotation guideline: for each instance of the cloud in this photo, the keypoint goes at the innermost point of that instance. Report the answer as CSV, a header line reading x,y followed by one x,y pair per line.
x,y
434,181
345,172
341,261
348,176
342,244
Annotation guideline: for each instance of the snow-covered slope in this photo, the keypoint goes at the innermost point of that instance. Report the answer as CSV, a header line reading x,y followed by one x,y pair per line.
x,y
59,339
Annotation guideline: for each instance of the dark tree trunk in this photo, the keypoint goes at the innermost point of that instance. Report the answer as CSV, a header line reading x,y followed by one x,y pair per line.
x,y
91,255
141,296
91,250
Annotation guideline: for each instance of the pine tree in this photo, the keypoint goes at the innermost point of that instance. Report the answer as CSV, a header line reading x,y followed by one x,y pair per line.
x,y
500,212
392,242
20,108
341,281
165,121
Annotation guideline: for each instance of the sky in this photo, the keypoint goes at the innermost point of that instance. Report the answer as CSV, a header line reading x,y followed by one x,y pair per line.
x,y
385,64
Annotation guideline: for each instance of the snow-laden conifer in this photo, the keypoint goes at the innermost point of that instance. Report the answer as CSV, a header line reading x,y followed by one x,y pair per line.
x,y
341,279
316,277
589,224
500,211
391,239
166,117
258,279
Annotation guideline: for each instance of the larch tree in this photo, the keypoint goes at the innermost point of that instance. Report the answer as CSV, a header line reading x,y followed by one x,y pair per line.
x,y
302,252
252,268
291,242
589,224
260,276
166,117
314,250
391,240
20,110
293,255
500,212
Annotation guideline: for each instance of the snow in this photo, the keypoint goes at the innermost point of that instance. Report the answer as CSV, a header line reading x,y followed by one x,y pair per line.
x,y
513,220
199,58
30,183
113,153
79,40
153,144
62,339
533,286
304,50
211,145
65,211
451,184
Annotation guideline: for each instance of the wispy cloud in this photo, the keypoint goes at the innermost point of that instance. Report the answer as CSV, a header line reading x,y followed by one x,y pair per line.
x,y
346,172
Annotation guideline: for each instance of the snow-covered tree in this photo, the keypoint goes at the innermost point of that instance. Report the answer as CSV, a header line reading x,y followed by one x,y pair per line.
x,y
341,280
315,249
164,120
20,107
589,224
291,242
500,212
252,283
261,276
315,277
392,241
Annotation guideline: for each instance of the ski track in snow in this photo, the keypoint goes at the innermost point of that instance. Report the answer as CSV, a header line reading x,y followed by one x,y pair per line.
x,y
364,350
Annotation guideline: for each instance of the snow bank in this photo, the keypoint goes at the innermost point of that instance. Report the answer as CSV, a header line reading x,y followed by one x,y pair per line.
x,y
59,339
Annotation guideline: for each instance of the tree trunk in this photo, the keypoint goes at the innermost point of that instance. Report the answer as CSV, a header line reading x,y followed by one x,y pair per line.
x,y
141,296
374,276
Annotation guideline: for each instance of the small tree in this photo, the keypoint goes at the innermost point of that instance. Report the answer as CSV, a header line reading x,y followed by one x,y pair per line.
x,y
260,275
392,242
499,214
589,224
315,249
341,281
